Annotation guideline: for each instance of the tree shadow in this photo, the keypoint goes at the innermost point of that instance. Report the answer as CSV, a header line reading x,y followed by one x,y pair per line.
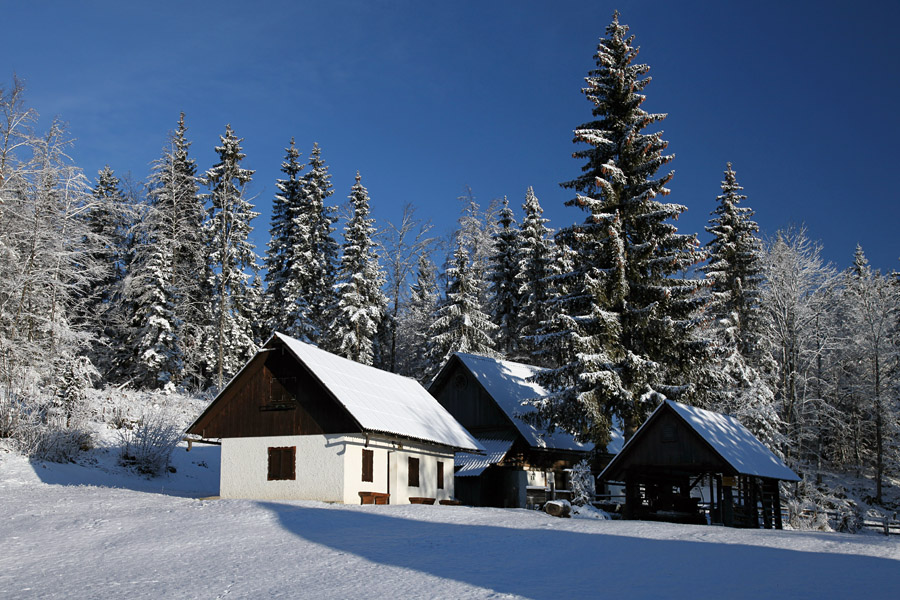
x,y
196,473
540,562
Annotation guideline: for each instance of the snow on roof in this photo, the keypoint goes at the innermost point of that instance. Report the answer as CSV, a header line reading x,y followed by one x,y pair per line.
x,y
495,445
734,443
510,386
381,401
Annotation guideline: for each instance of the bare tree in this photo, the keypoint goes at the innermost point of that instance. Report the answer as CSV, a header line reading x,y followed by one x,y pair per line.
x,y
795,301
401,246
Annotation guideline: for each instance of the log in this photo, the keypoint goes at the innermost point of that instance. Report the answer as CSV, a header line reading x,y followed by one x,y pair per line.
x,y
558,508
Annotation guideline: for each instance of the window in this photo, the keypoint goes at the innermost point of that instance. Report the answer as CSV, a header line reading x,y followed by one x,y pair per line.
x,y
413,472
282,462
440,475
367,461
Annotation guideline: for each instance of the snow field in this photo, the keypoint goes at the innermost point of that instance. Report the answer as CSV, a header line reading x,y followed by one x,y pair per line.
x,y
63,539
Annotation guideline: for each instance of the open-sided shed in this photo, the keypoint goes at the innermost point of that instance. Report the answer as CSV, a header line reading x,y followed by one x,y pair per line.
x,y
682,448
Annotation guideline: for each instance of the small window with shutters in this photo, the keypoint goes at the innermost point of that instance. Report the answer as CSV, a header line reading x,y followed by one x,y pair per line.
x,y
368,459
282,463
413,472
440,474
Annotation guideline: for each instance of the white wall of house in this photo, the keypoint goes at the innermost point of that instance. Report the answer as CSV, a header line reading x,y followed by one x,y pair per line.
x,y
428,457
329,468
319,468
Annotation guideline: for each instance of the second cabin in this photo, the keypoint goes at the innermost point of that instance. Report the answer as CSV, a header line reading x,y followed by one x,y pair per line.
x,y
524,465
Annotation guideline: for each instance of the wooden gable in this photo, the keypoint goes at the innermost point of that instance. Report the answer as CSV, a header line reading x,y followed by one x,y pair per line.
x,y
466,399
667,443
275,394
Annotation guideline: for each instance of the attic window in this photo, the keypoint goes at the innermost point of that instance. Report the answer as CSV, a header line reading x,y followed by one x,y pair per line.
x,y
282,463
669,433
460,381
413,472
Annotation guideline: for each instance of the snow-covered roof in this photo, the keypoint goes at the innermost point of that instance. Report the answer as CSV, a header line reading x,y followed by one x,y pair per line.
x,y
727,437
495,445
509,384
380,401
734,442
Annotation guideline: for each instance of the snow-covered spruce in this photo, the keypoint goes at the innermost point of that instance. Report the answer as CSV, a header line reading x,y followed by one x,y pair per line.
x,y
229,341
624,324
503,273
361,303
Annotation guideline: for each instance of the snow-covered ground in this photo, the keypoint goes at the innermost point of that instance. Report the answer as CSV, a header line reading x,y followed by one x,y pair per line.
x,y
97,531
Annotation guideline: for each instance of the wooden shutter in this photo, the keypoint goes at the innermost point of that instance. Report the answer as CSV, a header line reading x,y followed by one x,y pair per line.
x,y
440,473
413,472
368,457
282,463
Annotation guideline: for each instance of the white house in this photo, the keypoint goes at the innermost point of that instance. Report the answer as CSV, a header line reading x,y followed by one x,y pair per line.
x,y
300,423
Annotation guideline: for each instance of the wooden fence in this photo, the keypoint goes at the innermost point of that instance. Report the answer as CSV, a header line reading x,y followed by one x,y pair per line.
x,y
887,525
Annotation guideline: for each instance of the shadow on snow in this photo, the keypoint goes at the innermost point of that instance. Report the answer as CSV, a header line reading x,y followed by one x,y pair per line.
x,y
540,562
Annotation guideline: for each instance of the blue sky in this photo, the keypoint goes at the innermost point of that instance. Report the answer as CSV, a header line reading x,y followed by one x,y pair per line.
x,y
425,98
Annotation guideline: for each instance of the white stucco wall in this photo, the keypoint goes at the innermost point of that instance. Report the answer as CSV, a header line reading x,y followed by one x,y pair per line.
x,y
319,468
398,454
329,469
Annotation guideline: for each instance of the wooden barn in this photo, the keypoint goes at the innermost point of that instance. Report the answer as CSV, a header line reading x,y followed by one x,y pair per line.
x,y
523,464
301,423
683,456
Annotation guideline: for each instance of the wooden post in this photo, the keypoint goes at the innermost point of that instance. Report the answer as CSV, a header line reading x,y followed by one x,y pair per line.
x,y
727,506
631,494
777,502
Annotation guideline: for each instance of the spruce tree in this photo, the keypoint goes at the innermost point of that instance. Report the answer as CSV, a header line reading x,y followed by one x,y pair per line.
x,y
734,269
157,348
314,260
286,235
624,326
536,264
232,259
361,303
104,310
503,274
415,320
735,381
172,237
459,324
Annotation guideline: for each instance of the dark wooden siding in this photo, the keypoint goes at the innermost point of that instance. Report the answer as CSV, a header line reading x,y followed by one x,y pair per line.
x,y
668,443
466,400
274,395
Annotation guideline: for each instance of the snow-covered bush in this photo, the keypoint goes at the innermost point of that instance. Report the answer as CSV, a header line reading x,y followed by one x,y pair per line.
x,y
822,509
148,444
581,484
38,429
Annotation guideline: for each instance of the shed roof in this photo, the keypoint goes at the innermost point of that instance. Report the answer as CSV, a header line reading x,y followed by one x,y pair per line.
x,y
495,445
725,435
510,385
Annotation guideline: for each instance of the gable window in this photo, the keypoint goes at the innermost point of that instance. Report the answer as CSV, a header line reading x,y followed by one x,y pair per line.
x,y
282,462
440,474
413,472
368,458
